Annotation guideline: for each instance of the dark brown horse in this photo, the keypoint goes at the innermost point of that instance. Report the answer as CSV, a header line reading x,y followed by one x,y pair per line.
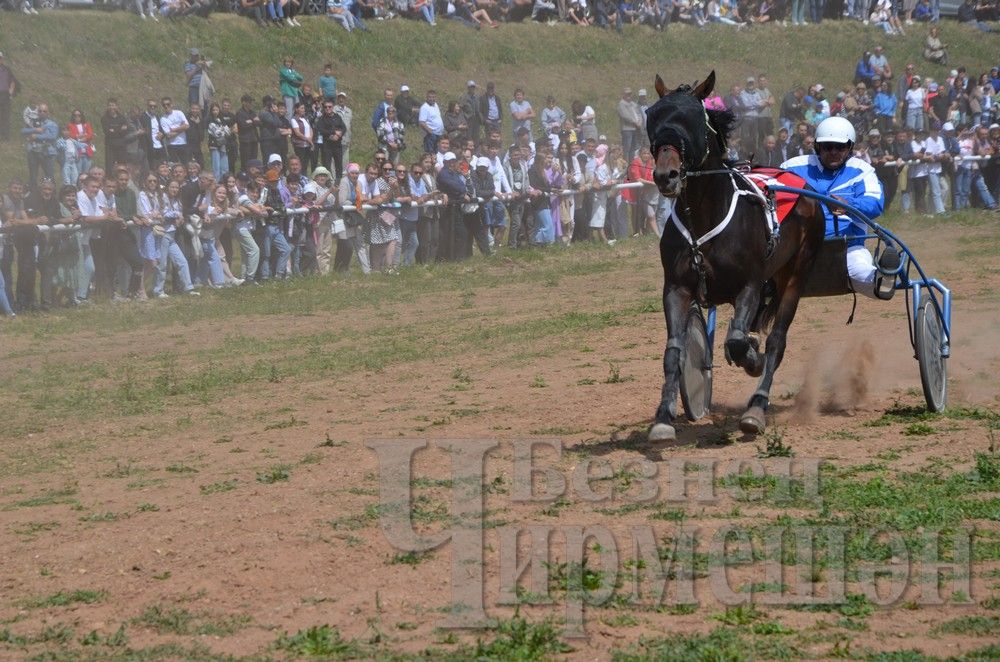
x,y
713,261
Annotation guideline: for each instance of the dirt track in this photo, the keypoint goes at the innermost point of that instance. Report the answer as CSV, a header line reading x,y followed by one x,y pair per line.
x,y
168,508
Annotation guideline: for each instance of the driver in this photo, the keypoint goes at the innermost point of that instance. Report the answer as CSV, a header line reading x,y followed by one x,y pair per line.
x,y
832,171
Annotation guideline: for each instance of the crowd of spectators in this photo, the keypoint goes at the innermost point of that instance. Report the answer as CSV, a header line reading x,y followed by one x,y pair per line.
x,y
891,15
210,194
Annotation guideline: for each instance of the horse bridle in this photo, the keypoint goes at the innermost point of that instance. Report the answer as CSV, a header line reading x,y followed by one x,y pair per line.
x,y
682,155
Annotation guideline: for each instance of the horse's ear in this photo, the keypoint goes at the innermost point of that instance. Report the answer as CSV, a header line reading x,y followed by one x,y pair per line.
x,y
661,89
705,87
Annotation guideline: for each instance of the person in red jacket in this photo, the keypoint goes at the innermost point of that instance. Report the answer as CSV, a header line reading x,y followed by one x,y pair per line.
x,y
82,131
643,200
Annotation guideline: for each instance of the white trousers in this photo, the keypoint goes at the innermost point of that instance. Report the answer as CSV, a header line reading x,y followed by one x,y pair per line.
x,y
861,270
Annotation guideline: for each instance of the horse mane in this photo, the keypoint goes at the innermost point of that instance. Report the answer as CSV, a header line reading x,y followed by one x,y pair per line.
x,y
723,122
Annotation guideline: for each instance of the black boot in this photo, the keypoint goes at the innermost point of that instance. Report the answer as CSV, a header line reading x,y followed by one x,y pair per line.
x,y
888,265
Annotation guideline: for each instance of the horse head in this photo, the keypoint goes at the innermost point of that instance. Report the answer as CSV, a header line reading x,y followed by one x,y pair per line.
x,y
678,128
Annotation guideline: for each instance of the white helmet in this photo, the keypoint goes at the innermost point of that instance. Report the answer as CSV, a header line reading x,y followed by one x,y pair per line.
x,y
835,130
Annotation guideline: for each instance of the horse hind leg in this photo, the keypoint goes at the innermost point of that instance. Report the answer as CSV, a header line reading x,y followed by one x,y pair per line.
x,y
675,306
742,348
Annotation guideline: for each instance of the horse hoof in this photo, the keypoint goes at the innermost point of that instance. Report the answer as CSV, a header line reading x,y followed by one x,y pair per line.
x,y
755,369
662,432
752,421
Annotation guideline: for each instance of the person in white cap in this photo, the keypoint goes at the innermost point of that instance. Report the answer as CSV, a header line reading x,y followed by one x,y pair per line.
x,y
832,171
407,107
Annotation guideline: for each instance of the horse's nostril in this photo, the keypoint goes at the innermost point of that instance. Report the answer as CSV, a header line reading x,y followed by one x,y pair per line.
x,y
673,174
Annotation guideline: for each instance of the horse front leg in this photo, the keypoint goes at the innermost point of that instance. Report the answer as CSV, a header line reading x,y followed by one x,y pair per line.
x,y
754,418
676,301
741,348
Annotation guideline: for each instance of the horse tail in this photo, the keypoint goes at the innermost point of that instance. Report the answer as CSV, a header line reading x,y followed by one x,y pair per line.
x,y
767,309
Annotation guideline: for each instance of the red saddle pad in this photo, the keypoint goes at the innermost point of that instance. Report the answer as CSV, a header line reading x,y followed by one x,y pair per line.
x,y
784,201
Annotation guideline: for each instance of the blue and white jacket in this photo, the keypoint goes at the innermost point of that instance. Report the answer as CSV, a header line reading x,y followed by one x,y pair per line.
x,y
855,182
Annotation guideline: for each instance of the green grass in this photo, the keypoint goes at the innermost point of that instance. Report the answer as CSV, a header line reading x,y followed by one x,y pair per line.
x,y
164,619
63,599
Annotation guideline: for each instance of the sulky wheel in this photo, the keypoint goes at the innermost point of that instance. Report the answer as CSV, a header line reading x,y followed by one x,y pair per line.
x,y
696,367
928,332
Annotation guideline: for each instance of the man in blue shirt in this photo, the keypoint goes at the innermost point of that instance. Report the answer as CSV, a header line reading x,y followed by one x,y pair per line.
x,y
832,171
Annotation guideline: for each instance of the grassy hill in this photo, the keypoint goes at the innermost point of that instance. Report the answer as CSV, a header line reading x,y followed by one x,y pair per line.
x,y
79,58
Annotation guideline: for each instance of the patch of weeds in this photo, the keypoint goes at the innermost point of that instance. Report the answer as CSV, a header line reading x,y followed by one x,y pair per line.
x,y
311,458
177,620
320,641
354,522
290,422
988,466
423,482
275,474
974,626
103,517
775,446
991,602
56,634
615,375
410,558
120,471
844,435
554,508
144,482
586,382
63,599
888,456
670,515
739,615
180,468
620,620
330,443
538,382
721,644
116,640
770,628
220,487
856,605
852,624
147,508
919,429
50,498
30,530
763,587
519,639
679,610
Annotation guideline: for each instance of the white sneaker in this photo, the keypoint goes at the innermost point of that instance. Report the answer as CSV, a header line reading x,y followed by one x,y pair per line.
x,y
34,11
612,242
117,298
193,293
289,22
297,24
142,16
162,295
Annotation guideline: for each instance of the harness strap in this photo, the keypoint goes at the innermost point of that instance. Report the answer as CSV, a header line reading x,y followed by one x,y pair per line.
x,y
715,231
